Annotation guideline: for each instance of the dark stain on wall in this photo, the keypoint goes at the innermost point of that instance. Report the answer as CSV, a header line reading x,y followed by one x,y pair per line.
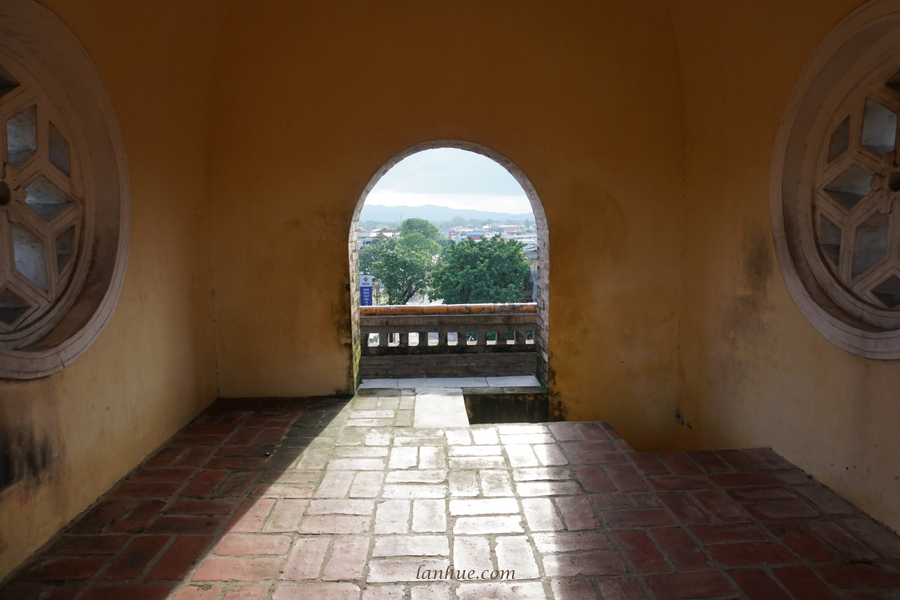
x,y
342,319
744,313
758,261
24,453
679,418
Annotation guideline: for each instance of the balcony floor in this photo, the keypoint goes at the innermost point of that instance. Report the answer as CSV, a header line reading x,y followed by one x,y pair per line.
x,y
338,499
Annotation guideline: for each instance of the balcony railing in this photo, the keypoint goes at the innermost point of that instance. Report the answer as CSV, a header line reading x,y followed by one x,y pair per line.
x,y
454,340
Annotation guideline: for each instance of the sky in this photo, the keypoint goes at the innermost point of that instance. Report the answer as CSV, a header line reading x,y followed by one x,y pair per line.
x,y
450,177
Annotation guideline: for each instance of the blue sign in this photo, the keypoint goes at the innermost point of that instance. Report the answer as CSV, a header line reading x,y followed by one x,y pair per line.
x,y
365,290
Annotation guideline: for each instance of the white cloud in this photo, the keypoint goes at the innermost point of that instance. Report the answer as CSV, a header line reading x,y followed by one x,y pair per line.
x,y
449,171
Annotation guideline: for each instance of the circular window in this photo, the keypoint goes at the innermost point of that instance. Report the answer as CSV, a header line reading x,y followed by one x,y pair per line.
x,y
63,201
854,203
42,218
836,185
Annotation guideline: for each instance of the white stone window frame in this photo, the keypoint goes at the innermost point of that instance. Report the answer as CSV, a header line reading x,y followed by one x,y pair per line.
x,y
56,73
849,63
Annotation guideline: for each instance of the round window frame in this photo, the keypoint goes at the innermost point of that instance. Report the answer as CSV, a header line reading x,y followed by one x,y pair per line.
x,y
40,42
863,43
853,303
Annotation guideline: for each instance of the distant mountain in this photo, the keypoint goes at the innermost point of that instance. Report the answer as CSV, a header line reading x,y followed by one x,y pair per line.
x,y
436,214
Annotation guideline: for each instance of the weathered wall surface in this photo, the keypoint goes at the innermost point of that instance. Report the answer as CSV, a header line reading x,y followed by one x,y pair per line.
x,y
65,439
312,99
645,138
753,371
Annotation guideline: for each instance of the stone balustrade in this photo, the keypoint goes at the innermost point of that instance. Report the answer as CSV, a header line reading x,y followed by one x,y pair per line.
x,y
448,340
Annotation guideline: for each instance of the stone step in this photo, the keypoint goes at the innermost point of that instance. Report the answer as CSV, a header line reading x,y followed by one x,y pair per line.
x,y
440,407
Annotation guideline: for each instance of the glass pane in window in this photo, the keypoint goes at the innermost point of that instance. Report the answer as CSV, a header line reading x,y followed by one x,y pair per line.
x,y
870,243
45,199
21,136
850,187
59,150
888,291
840,140
879,128
12,306
830,239
65,248
7,82
29,256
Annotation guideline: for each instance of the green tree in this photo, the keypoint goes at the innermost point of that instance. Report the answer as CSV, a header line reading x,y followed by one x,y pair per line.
x,y
492,270
401,264
422,226
419,244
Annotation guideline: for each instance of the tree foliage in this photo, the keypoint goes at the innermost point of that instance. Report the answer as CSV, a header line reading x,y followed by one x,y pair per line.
x,y
401,264
416,242
421,226
492,270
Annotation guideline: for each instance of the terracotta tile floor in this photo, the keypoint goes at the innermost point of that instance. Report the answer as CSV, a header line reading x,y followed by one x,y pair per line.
x,y
344,499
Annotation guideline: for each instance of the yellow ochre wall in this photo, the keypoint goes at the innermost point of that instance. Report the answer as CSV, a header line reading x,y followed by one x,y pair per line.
x,y
312,98
753,371
647,129
152,369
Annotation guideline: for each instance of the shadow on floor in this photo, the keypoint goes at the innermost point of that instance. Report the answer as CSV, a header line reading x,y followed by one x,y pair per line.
x,y
333,498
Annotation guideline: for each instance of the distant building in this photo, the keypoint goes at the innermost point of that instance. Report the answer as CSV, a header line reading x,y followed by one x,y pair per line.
x,y
530,292
531,253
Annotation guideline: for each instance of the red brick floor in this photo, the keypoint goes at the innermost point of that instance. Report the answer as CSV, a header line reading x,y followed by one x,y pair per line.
x,y
344,499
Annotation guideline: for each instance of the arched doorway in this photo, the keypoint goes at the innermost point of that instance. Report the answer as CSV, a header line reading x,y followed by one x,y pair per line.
x,y
541,281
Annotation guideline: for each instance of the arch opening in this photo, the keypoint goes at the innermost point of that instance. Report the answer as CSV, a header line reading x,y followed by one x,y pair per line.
x,y
539,308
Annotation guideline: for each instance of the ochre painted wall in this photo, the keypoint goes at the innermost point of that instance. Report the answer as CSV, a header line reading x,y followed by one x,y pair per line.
x,y
152,369
753,371
251,131
312,98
